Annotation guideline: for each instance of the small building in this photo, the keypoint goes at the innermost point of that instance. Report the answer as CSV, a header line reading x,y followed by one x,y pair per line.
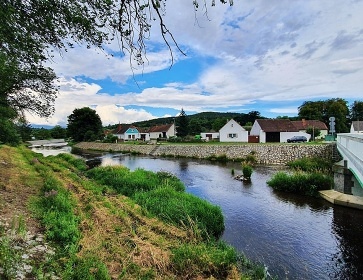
x,y
275,130
126,132
232,131
314,124
162,131
356,127
209,136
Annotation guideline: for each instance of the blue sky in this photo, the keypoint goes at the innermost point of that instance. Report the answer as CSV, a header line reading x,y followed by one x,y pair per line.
x,y
265,55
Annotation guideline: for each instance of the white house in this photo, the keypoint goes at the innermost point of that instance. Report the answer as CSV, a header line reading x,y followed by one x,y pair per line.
x,y
162,131
126,132
207,136
232,131
276,130
356,127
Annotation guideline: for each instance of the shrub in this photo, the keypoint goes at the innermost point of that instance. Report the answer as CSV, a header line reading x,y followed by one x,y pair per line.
x,y
300,182
210,259
182,209
247,171
313,164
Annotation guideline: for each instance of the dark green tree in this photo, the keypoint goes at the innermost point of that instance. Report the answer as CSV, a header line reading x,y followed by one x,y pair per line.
x,y
195,127
24,129
182,124
324,109
58,132
41,133
219,123
314,132
356,111
84,125
8,131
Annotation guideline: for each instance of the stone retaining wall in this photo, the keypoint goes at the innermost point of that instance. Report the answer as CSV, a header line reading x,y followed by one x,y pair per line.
x,y
264,153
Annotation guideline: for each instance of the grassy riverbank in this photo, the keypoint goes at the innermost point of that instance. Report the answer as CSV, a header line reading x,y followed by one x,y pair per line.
x,y
91,230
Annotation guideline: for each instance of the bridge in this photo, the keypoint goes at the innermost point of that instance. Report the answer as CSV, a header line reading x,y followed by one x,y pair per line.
x,y
348,174
350,146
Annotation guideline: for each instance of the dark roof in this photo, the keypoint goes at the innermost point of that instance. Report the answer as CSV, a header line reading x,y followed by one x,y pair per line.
x,y
276,125
121,129
160,128
357,125
304,124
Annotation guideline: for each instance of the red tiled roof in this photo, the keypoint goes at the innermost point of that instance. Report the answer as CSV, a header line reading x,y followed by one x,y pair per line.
x,y
304,124
276,125
160,128
121,129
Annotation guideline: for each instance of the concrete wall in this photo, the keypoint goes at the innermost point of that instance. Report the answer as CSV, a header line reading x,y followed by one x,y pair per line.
x,y
265,154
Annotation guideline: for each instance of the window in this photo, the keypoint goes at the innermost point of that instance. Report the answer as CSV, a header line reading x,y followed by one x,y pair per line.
x,y
232,135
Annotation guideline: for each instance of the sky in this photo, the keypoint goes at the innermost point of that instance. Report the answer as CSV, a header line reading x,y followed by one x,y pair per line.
x,y
264,55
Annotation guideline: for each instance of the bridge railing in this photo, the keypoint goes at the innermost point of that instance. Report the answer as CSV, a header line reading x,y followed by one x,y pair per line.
x,y
350,146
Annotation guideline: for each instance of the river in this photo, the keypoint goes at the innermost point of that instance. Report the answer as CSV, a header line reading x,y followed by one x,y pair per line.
x,y
296,237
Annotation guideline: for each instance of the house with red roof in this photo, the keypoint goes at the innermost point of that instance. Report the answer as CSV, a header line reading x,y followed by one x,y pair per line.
x,y
275,130
303,125
162,131
126,132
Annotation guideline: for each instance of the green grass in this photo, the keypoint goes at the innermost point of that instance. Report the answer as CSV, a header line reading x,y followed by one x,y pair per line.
x,y
301,182
183,209
313,164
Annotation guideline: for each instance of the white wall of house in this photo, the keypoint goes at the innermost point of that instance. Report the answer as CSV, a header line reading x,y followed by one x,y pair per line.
x,y
209,136
169,133
286,135
255,129
262,136
233,132
323,133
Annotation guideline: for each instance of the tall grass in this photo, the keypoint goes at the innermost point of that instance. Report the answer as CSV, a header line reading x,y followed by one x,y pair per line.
x,y
301,182
312,164
128,183
178,208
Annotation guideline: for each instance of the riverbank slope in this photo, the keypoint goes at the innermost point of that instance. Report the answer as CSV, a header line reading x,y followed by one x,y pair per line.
x,y
56,223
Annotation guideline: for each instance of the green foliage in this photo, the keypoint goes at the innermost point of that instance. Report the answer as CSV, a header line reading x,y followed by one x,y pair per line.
x,y
247,171
219,158
183,209
84,125
182,124
356,111
301,183
9,257
110,138
88,268
128,183
58,132
213,258
55,209
41,133
312,164
324,109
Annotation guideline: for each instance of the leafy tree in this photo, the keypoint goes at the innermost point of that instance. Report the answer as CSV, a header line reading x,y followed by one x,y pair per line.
x,y
24,129
324,109
219,123
356,111
58,132
84,125
8,131
182,124
31,30
195,126
41,133
313,131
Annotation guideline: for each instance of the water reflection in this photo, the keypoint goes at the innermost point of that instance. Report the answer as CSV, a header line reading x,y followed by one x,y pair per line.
x,y
296,237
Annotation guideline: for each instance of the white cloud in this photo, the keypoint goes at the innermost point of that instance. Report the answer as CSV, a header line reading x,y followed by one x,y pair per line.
x,y
270,51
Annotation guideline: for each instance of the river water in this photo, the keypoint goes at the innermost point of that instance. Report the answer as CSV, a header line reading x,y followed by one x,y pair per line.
x,y
296,237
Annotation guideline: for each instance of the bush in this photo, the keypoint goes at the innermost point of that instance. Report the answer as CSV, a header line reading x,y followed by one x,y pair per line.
x,y
313,164
247,171
209,259
300,182
183,209
128,183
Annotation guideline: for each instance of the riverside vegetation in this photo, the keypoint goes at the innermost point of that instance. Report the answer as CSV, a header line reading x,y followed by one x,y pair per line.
x,y
108,223
310,175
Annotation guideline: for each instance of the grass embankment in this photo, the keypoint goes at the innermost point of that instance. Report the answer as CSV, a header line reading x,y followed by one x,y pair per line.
x,y
157,231
310,175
